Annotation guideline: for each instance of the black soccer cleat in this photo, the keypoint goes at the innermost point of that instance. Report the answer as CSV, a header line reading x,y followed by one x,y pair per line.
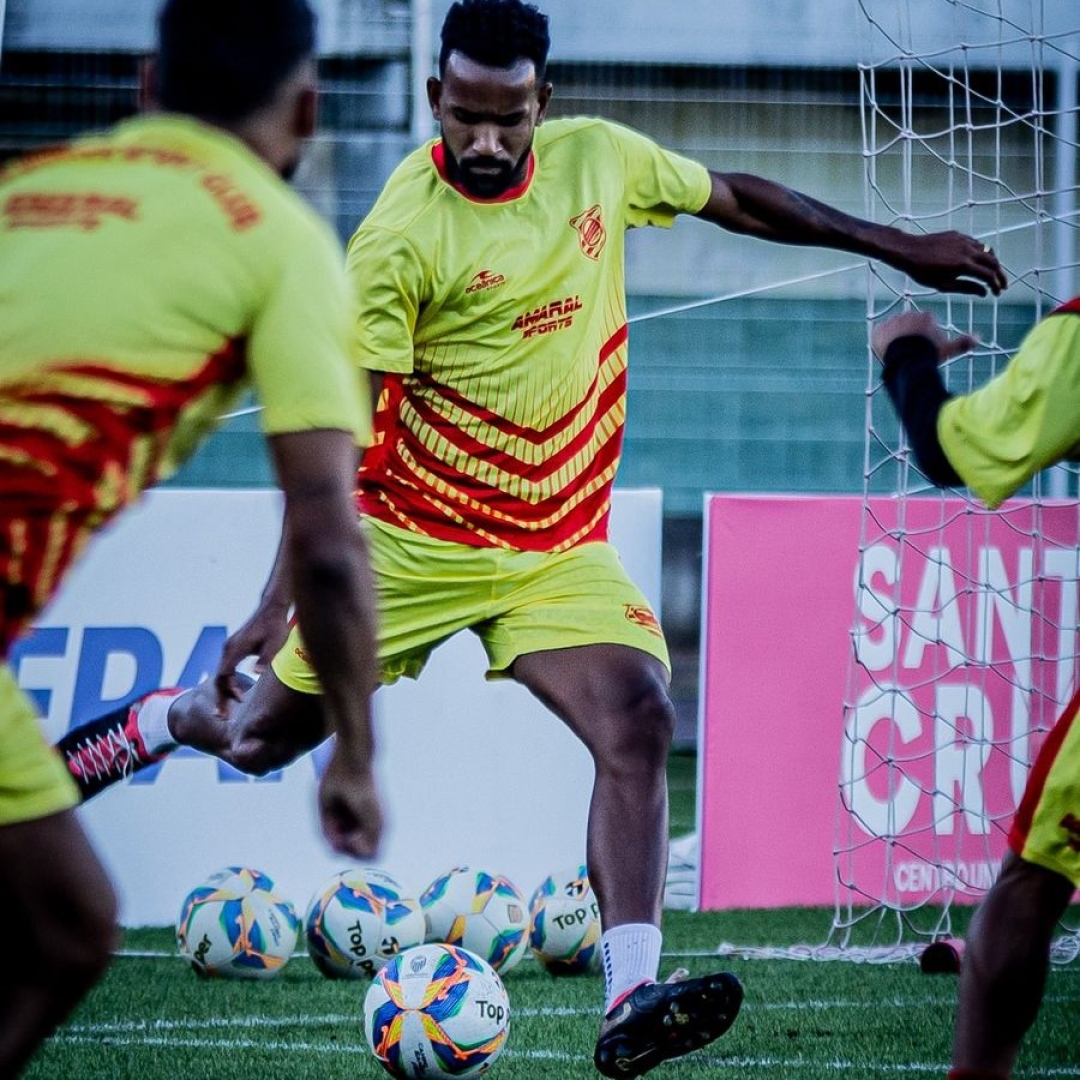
x,y
104,751
658,1021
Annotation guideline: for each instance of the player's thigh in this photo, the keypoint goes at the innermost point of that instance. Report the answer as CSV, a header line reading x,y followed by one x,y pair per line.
x,y
55,890
614,698
277,714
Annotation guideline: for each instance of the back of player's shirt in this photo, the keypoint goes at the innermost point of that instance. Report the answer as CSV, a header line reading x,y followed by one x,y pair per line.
x,y
147,275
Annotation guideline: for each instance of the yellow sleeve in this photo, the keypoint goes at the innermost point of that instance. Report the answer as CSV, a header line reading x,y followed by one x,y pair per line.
x,y
385,281
660,184
1023,420
298,348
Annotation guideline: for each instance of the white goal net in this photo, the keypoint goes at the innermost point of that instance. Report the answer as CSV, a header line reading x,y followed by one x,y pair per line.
x,y
964,641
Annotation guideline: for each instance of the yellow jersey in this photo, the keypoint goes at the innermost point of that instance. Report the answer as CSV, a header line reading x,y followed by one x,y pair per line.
x,y
1023,420
501,325
148,275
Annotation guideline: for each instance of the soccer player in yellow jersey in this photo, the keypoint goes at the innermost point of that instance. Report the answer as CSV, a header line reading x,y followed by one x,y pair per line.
x,y
147,275
494,325
993,440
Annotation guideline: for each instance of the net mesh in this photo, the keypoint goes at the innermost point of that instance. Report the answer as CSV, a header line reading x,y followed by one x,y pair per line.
x,y
964,642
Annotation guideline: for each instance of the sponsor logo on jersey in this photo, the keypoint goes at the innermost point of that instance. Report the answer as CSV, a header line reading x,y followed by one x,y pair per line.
x,y
592,236
549,317
642,616
486,279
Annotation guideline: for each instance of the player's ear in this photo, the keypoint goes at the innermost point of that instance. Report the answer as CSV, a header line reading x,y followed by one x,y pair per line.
x,y
305,112
543,97
434,96
147,78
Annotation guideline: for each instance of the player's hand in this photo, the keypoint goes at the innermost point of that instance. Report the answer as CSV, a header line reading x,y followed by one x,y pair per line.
x,y
261,636
349,806
949,262
918,324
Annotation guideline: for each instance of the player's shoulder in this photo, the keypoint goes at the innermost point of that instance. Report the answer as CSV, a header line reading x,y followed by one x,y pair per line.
x,y
576,130
409,196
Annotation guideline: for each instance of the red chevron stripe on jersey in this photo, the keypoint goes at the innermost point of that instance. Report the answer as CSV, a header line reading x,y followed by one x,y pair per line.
x,y
425,471
89,437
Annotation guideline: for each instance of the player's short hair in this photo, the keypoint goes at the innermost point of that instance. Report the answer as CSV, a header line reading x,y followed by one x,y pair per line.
x,y
224,59
496,33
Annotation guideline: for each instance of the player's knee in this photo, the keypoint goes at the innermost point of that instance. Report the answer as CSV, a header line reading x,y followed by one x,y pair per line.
x,y
256,755
253,756
646,725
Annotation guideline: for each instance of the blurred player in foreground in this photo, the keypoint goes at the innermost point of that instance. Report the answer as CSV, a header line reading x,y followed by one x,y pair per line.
x,y
993,440
495,326
147,275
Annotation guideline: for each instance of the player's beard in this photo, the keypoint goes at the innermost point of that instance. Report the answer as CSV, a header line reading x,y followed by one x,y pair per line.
x,y
488,184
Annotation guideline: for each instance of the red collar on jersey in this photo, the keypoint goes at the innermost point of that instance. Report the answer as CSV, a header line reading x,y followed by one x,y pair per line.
x,y
438,156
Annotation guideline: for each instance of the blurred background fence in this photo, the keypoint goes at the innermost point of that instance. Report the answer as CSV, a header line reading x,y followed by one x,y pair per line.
x,y
748,364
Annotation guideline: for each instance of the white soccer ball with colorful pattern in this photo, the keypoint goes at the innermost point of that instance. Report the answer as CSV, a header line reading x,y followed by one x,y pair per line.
x,y
480,911
564,923
436,1010
359,921
234,925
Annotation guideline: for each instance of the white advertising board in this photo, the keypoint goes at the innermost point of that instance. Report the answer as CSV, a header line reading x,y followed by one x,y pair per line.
x,y
471,772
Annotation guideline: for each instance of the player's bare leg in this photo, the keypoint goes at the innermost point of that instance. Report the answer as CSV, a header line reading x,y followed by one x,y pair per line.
x,y
269,728
615,699
55,891
1006,959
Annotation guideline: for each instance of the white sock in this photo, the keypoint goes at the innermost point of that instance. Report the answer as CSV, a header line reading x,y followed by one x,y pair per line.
x,y
152,720
631,955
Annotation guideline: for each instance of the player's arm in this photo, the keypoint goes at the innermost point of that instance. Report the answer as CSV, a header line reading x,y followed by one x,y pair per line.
x,y
998,436
910,347
261,635
335,607
266,629
948,261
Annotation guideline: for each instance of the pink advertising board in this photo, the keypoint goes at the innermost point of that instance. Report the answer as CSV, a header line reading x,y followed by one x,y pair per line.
x,y
833,642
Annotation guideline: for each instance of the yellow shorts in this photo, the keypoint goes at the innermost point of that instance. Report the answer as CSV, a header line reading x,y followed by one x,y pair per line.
x,y
516,602
1046,829
34,782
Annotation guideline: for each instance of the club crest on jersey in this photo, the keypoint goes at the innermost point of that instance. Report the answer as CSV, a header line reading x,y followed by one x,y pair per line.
x,y
591,232
643,617
484,280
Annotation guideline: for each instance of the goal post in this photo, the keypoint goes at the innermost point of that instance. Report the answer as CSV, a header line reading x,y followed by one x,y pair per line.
x,y
964,636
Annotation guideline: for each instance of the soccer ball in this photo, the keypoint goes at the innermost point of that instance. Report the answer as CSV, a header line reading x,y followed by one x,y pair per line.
x,y
235,926
564,929
436,1010
358,921
483,912
240,878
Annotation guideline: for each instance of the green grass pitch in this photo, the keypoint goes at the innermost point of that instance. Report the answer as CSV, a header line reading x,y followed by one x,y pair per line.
x,y
151,1018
